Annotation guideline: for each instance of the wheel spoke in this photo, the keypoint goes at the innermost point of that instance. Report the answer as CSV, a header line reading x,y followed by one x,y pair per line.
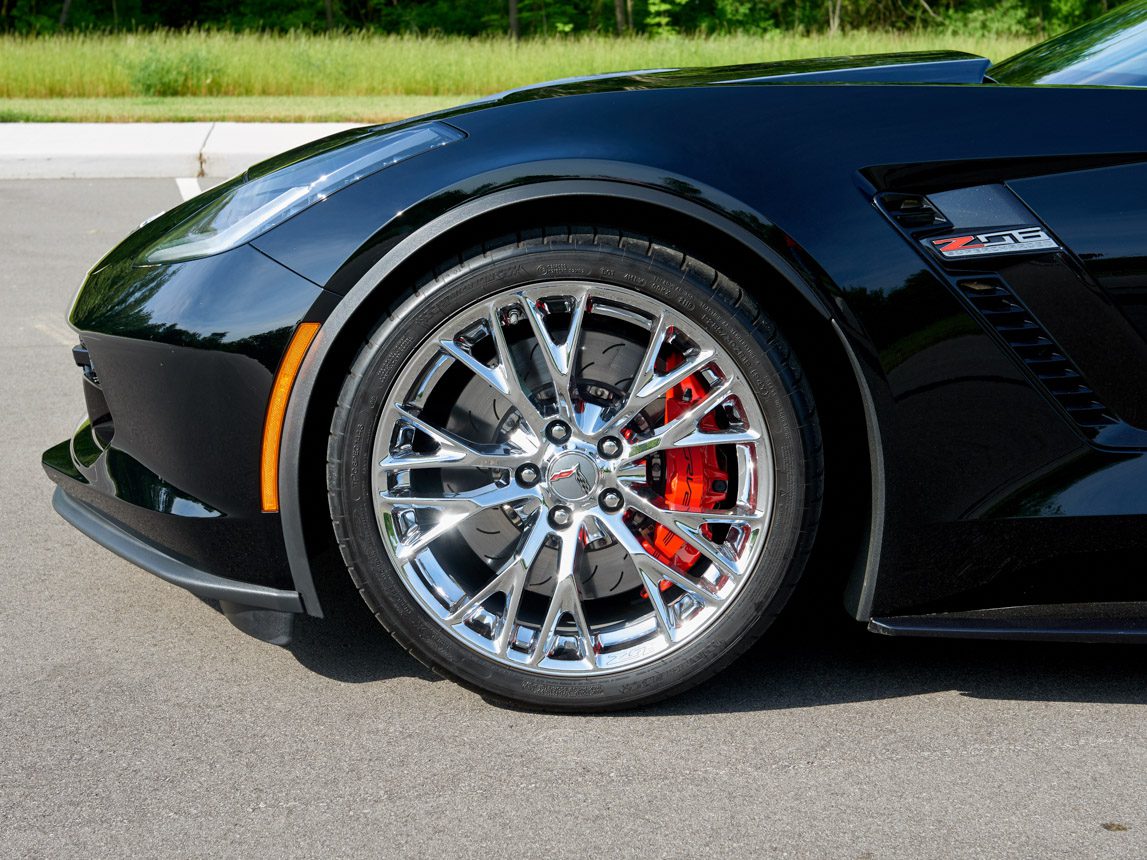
x,y
687,525
517,394
503,377
652,567
559,358
565,601
657,386
632,472
696,519
495,377
453,450
468,503
510,580
660,610
685,431
647,371
417,539
453,508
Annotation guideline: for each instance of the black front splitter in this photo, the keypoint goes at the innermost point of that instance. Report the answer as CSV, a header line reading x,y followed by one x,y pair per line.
x,y
259,610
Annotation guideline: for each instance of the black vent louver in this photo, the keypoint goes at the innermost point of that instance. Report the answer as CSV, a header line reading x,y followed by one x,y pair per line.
x,y
1040,354
913,212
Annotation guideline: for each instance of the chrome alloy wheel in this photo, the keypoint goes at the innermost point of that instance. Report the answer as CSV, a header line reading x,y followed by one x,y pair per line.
x,y
520,476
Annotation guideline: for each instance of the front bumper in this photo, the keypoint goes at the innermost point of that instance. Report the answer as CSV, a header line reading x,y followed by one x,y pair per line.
x,y
110,535
120,526
177,365
231,545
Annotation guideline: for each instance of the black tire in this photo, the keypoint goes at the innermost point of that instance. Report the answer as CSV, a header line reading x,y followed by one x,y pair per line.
x,y
636,263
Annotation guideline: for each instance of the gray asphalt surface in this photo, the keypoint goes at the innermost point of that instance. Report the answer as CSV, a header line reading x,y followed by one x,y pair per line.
x,y
135,720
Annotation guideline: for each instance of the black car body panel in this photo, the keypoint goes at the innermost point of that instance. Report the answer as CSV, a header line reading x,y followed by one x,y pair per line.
x,y
991,438
1004,399
181,363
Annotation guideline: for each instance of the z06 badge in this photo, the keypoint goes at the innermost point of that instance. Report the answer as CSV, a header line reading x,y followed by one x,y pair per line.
x,y
1013,240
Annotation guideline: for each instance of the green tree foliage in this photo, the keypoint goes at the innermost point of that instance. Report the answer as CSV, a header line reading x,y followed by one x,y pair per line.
x,y
550,17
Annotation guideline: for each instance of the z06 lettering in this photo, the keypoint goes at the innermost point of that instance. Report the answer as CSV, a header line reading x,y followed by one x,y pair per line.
x,y
1011,241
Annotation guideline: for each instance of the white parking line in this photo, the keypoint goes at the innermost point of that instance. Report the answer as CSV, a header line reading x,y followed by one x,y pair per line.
x,y
60,334
188,187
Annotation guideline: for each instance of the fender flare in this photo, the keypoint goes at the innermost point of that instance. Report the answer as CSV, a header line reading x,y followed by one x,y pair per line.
x,y
290,452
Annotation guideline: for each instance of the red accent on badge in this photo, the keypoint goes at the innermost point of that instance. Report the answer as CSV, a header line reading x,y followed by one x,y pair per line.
x,y
955,243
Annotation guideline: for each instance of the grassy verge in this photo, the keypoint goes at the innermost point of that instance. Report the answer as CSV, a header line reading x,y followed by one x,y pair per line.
x,y
225,108
254,64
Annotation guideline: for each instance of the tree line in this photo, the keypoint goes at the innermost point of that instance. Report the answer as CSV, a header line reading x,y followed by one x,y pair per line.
x,y
525,18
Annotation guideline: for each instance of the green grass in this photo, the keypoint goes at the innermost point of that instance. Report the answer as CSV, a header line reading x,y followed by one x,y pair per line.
x,y
369,109
253,64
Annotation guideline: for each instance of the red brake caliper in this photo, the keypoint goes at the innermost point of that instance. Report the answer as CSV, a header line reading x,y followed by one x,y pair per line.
x,y
694,479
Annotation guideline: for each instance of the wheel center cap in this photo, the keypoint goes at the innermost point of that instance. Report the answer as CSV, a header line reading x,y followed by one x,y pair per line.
x,y
572,476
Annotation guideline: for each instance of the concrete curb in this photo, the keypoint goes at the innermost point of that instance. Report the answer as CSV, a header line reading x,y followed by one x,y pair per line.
x,y
49,150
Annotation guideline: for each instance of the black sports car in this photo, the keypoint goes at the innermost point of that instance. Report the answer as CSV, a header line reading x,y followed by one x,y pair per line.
x,y
578,378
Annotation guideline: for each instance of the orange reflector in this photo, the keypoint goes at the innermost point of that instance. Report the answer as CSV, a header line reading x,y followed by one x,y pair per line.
x,y
277,411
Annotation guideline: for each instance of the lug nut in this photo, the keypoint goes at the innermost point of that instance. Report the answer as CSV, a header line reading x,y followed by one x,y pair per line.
x,y
560,517
558,432
609,447
610,500
528,475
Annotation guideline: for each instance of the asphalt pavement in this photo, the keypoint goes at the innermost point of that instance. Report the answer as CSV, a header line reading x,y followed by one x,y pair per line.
x,y
135,720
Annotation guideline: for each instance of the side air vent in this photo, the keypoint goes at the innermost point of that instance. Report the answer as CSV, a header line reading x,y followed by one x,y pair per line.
x,y
1042,356
911,211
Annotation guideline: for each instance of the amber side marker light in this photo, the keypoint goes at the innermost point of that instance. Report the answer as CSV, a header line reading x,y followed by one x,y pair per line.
x,y
277,411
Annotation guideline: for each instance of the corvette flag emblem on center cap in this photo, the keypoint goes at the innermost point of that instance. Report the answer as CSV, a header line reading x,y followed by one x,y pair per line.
x,y
1014,240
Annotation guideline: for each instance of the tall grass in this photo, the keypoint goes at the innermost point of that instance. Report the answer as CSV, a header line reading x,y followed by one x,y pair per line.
x,y
366,109
254,64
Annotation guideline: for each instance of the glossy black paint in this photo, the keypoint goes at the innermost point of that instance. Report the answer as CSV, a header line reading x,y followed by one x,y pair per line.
x,y
980,471
185,355
1100,215
966,430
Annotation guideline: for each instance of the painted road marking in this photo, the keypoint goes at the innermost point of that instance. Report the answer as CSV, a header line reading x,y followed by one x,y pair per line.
x,y
188,187
56,332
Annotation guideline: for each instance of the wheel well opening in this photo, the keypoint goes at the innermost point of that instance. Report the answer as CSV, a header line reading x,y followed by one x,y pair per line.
x,y
843,532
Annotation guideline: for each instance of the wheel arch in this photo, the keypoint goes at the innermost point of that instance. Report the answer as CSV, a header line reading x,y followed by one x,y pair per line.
x,y
801,306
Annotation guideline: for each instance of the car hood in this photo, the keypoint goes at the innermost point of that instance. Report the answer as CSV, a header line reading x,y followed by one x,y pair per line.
x,y
926,67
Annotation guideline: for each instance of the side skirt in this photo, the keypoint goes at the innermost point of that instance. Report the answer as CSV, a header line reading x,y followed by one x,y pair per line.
x,y
1069,622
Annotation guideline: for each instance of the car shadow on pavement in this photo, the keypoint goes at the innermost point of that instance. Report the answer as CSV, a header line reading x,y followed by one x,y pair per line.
x,y
349,645
834,663
806,660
